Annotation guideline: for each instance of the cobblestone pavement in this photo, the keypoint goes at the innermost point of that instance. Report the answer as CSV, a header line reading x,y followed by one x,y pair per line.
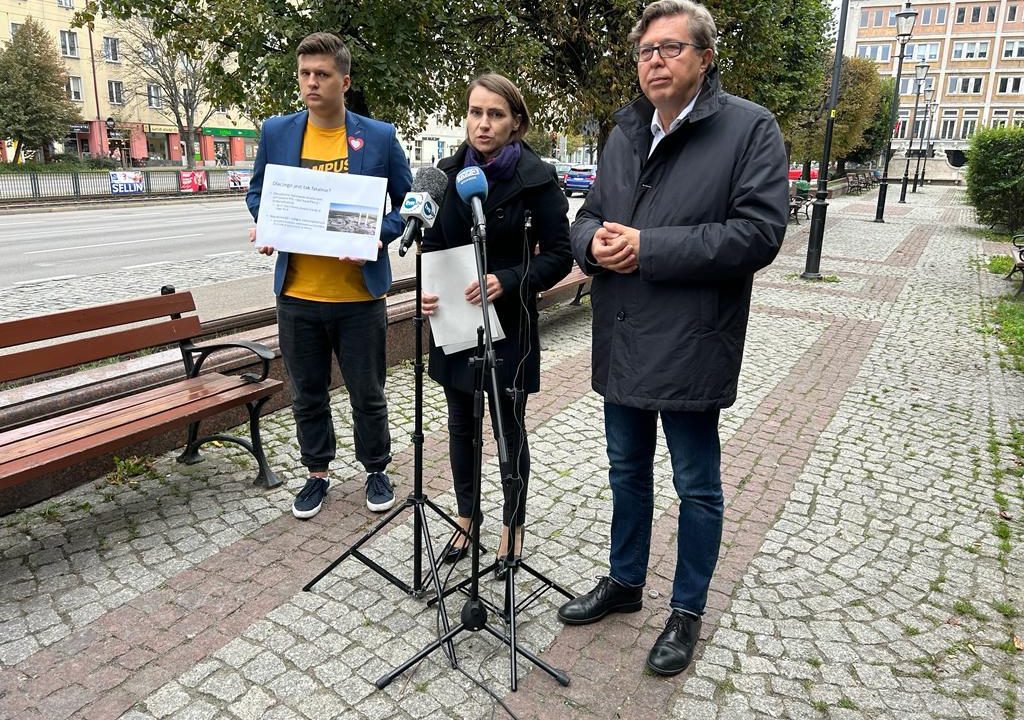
x,y
871,563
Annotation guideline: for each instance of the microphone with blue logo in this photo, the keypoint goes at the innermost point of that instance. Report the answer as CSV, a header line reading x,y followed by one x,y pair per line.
x,y
419,209
471,185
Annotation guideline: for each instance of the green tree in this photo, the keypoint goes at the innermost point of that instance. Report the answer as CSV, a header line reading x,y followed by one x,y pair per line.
x,y
859,93
877,135
995,176
34,105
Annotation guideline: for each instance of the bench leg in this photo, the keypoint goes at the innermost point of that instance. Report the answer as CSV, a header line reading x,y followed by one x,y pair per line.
x,y
190,455
265,477
578,300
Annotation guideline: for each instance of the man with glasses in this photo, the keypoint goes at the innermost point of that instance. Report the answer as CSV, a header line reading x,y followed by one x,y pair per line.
x,y
690,200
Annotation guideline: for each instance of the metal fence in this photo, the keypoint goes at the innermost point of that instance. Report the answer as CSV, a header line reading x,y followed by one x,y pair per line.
x,y
28,186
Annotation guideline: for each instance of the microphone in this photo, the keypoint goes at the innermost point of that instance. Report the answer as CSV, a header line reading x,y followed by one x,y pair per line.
x,y
471,185
419,209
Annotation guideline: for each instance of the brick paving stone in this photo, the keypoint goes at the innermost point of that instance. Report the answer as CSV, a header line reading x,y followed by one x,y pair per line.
x,y
860,570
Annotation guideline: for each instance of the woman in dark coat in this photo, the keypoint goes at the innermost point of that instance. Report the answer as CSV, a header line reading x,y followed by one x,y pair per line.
x,y
528,251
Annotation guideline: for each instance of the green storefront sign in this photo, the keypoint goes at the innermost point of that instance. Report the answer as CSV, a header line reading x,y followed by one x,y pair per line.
x,y
229,132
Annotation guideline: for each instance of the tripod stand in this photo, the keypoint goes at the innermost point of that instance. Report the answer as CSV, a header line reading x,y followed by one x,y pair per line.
x,y
417,500
474,613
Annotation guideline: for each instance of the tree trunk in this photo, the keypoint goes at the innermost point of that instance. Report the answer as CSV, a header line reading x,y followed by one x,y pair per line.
x,y
841,167
806,172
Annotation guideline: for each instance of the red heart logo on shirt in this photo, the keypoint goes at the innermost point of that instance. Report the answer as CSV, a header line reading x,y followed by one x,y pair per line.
x,y
355,143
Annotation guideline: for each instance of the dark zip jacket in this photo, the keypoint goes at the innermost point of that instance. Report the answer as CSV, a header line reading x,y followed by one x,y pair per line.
x,y
711,205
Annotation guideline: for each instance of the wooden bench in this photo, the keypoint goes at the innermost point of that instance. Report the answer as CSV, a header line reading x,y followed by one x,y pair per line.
x,y
47,343
1017,254
575,277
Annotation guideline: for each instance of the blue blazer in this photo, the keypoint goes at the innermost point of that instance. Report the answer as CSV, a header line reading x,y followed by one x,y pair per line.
x,y
373,149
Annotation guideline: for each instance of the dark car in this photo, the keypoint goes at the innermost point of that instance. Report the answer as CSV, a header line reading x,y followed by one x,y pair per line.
x,y
579,179
561,170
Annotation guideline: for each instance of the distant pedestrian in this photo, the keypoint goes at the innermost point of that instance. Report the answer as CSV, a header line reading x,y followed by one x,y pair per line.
x,y
689,202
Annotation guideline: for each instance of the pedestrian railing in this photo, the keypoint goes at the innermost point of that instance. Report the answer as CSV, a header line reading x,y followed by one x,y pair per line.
x,y
70,185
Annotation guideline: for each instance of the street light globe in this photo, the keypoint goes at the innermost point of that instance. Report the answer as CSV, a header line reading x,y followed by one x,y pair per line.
x,y
905,20
921,70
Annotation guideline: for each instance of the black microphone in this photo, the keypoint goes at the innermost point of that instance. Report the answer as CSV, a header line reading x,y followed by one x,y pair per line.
x,y
471,185
419,209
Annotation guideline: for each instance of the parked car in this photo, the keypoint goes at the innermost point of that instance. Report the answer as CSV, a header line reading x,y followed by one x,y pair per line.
x,y
797,173
579,179
561,170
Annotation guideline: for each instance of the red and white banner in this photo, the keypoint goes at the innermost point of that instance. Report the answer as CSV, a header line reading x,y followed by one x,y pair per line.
x,y
193,181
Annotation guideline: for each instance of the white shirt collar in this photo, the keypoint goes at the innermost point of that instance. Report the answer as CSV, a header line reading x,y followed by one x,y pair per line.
x,y
658,132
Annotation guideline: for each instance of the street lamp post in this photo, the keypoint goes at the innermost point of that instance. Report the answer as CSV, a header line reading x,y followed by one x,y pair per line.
x,y
904,28
920,73
933,109
816,234
924,133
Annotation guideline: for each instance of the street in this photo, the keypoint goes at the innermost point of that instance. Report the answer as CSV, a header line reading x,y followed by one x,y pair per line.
x,y
77,257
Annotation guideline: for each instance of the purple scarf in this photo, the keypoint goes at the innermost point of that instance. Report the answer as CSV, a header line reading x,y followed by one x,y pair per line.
x,y
501,167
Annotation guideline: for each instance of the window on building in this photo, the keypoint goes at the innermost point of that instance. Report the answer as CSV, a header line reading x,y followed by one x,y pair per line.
x,y
68,43
878,53
148,54
1009,85
948,129
969,125
70,4
14,28
970,50
865,18
155,95
111,49
222,109
963,85
1000,118
908,86
878,18
74,88
1011,12
1013,49
900,132
990,13
922,51
892,19
976,14
1018,118
940,16
115,92
919,124
960,14
926,16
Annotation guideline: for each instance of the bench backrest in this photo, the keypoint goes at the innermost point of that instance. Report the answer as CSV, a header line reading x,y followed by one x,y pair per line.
x,y
151,322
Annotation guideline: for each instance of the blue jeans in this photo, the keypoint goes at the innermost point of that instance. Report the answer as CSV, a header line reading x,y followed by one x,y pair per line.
x,y
693,444
311,335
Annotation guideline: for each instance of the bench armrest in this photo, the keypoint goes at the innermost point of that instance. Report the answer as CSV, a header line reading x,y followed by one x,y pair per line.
x,y
1018,241
199,353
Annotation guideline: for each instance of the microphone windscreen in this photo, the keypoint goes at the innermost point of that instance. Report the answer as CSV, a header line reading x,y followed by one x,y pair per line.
x,y
470,183
431,181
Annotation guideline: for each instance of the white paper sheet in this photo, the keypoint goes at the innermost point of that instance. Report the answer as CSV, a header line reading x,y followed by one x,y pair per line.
x,y
447,273
321,213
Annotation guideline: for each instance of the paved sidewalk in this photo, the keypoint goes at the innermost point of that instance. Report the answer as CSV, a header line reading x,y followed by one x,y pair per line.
x,y
866,570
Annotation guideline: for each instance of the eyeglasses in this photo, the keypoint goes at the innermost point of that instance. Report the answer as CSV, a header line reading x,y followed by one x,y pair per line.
x,y
666,50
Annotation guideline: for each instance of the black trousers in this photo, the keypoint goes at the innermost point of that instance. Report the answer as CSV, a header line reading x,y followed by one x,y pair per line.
x,y
461,428
311,335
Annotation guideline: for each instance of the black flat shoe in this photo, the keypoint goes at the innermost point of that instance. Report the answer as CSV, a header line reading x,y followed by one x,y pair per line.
x,y
454,554
608,597
673,650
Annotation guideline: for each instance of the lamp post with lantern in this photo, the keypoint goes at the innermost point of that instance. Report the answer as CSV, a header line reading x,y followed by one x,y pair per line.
x,y
905,20
920,73
924,134
933,109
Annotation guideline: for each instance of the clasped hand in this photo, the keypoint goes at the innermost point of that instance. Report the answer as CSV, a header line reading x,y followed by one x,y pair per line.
x,y
429,301
616,247
268,250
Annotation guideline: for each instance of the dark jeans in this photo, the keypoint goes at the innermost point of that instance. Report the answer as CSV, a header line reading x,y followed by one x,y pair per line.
x,y
354,333
461,429
693,444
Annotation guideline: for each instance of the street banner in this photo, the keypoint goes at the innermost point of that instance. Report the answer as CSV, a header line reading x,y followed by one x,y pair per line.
x,y
238,179
193,181
321,213
126,182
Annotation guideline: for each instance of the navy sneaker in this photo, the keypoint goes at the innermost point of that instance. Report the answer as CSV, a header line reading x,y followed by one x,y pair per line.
x,y
380,496
311,498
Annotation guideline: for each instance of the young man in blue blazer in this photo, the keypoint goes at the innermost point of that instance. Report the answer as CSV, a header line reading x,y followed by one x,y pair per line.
x,y
334,306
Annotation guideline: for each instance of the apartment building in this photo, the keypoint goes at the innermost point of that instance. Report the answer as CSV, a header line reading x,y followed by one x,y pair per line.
x,y
138,129
975,56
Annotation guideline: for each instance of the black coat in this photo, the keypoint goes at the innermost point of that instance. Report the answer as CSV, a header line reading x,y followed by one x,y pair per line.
x,y
534,188
711,204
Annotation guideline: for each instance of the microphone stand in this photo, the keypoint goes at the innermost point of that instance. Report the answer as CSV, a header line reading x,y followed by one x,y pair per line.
x,y
474,613
417,500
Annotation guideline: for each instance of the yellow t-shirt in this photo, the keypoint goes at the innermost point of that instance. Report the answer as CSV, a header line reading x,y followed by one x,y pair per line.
x,y
316,277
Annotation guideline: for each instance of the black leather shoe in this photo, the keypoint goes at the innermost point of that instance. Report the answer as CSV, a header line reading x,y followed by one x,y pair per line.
x,y
454,554
673,650
607,597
